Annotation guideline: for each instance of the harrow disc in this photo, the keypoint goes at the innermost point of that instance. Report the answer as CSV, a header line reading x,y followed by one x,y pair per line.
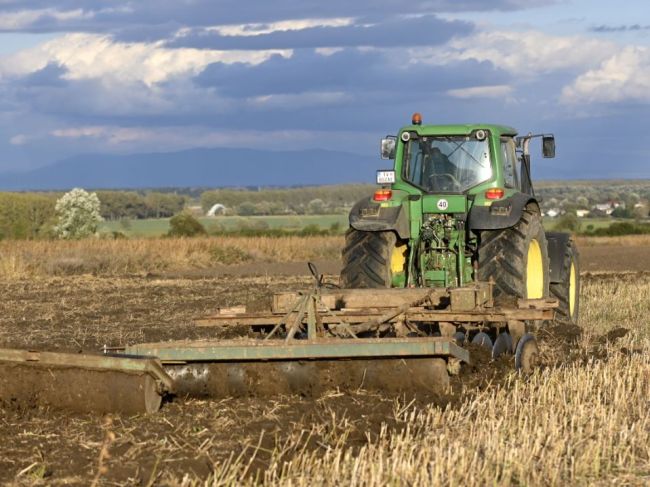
x,y
502,344
459,336
482,339
526,354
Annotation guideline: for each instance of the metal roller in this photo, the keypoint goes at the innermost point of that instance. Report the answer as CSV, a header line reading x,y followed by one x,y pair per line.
x,y
310,377
83,383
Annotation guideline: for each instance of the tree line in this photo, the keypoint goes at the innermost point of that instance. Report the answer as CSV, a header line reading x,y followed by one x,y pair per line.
x,y
287,201
32,215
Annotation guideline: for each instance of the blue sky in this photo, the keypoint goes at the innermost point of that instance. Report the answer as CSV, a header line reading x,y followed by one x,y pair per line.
x,y
121,77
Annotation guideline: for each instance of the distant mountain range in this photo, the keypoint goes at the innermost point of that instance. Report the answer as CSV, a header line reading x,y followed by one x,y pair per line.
x,y
198,168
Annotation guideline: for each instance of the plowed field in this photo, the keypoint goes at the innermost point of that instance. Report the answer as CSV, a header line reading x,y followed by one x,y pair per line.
x,y
581,419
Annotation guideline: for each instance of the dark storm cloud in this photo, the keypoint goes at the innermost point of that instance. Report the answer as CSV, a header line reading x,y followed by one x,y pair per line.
x,y
136,18
342,91
350,71
426,30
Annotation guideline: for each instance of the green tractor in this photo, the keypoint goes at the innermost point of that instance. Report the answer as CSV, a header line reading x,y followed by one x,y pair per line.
x,y
458,207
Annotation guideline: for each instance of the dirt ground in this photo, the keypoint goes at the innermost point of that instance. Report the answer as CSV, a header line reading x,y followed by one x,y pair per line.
x,y
610,258
187,437
600,258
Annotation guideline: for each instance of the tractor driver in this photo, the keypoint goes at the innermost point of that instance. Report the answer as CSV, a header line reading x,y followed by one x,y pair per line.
x,y
439,171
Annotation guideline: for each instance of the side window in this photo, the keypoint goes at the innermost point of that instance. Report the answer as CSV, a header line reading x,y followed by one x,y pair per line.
x,y
509,155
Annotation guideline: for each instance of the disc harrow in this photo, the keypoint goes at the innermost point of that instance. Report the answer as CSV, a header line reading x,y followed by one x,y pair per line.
x,y
392,340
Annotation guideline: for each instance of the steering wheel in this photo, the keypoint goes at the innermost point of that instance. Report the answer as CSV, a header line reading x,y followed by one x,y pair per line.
x,y
444,182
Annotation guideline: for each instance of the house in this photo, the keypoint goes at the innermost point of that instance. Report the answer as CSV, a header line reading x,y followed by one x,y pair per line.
x,y
606,208
582,213
553,212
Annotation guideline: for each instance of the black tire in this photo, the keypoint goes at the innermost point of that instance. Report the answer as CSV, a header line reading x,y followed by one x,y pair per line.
x,y
567,312
503,256
367,259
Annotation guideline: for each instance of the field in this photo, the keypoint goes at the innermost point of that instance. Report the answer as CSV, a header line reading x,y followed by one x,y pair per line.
x,y
581,419
156,227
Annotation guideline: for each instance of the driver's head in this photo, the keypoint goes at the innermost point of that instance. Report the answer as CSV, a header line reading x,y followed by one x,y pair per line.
x,y
437,155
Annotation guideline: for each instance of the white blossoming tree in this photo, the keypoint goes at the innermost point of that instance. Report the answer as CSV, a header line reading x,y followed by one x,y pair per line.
x,y
78,213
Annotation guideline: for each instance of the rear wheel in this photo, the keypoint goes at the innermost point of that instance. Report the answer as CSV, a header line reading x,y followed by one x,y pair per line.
x,y
370,259
567,290
516,258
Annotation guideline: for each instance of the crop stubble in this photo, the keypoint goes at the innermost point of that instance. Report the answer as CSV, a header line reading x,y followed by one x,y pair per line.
x,y
581,419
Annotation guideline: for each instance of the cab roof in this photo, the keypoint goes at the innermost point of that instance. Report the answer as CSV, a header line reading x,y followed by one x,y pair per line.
x,y
463,129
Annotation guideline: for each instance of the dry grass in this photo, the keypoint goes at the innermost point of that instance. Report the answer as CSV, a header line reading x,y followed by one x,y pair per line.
x,y
579,424
585,422
119,257
140,256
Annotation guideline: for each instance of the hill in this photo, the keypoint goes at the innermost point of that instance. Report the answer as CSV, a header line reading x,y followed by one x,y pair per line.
x,y
222,167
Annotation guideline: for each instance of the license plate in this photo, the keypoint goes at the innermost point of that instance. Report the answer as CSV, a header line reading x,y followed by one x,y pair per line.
x,y
385,177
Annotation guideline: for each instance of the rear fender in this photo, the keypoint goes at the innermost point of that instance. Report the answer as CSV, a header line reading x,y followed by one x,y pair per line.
x,y
500,214
369,216
557,244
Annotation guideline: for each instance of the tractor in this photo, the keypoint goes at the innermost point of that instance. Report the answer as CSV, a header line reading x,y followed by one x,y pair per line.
x,y
448,254
458,206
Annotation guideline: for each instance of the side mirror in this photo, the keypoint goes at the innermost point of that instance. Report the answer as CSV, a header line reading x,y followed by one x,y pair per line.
x,y
388,145
548,146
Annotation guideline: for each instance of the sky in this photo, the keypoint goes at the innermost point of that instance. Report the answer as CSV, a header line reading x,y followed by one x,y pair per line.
x,y
107,76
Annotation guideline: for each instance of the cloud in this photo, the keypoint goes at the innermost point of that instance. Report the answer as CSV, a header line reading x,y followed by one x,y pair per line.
x,y
257,29
494,91
525,54
144,18
93,56
19,139
144,76
28,19
125,138
619,28
623,76
294,101
393,31
360,73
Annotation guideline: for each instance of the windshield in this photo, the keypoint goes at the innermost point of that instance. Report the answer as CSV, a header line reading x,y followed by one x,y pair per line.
x,y
447,163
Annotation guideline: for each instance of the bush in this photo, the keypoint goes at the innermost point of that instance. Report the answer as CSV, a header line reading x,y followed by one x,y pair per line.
x,y
619,229
622,213
568,222
79,214
26,215
185,225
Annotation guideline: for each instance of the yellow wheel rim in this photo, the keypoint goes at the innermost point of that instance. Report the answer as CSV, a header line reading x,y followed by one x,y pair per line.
x,y
534,272
572,289
398,259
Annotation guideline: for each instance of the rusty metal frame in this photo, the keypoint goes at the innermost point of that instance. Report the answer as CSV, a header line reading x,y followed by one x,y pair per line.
x,y
129,365
327,348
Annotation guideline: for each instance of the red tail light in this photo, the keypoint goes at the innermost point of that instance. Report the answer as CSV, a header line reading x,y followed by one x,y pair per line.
x,y
494,193
382,195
